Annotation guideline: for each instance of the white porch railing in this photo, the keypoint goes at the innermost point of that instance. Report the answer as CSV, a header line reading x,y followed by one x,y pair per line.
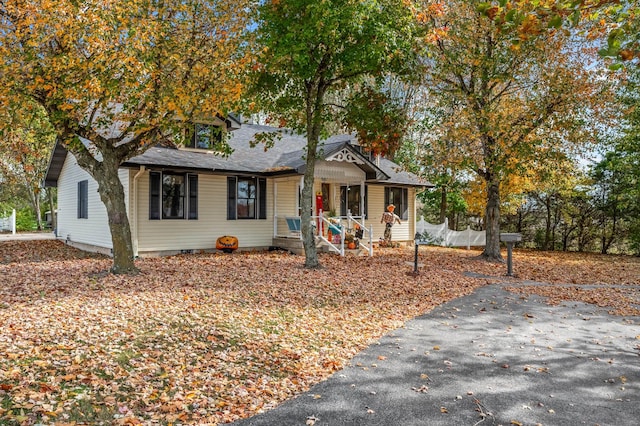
x,y
442,235
354,225
325,230
8,223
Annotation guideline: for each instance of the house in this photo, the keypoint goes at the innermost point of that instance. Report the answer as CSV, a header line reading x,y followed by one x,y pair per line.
x,y
183,199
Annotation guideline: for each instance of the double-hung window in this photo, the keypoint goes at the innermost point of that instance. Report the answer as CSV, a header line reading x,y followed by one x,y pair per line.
x,y
173,195
246,198
398,197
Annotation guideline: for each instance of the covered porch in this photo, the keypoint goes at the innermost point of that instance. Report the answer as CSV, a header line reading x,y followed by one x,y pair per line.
x,y
339,207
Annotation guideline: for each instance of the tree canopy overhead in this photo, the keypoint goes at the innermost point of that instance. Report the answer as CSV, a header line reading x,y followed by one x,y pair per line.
x,y
311,53
508,102
123,74
613,21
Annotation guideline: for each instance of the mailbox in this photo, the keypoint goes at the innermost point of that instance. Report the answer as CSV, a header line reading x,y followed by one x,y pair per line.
x,y
510,239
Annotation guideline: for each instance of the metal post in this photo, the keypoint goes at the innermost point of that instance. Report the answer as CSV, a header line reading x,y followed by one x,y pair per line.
x,y
510,240
509,259
415,260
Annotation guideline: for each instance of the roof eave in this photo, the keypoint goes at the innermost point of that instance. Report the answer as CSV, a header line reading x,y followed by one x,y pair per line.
x,y
56,162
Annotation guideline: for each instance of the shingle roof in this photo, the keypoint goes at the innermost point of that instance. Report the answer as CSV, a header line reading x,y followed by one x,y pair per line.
x,y
285,157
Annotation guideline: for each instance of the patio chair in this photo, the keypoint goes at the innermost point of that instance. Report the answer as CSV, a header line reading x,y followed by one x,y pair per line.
x,y
294,225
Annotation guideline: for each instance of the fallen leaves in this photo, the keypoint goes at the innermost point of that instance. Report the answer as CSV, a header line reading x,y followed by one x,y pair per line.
x,y
210,338
192,339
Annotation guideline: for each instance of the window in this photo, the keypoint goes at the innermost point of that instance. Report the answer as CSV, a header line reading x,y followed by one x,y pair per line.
x,y
350,199
83,199
325,197
204,136
168,193
246,198
399,198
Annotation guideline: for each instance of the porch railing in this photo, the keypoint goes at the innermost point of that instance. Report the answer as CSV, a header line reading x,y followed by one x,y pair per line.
x,y
366,232
323,224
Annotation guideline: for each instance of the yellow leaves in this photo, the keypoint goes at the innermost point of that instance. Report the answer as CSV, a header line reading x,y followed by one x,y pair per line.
x,y
531,26
66,106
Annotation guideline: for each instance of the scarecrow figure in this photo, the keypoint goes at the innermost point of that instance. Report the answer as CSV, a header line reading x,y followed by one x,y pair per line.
x,y
389,218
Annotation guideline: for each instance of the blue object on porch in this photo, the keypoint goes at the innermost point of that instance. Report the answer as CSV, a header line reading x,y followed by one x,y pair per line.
x,y
335,229
294,224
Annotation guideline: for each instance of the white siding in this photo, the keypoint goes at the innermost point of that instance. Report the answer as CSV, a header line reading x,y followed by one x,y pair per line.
x,y
182,234
94,230
402,232
287,193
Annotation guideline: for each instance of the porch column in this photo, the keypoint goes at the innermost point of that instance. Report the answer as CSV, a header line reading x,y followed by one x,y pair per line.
x,y
275,208
298,197
362,210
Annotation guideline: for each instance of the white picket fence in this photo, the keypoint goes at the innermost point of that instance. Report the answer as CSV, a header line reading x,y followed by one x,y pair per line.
x,y
442,235
8,223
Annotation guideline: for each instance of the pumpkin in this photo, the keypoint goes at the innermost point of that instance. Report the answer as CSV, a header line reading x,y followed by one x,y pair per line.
x,y
351,245
227,243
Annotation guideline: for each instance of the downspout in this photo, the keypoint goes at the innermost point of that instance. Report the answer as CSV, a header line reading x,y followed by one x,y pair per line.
x,y
362,209
135,210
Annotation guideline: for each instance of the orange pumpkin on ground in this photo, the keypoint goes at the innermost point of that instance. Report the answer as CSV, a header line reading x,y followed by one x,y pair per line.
x,y
227,243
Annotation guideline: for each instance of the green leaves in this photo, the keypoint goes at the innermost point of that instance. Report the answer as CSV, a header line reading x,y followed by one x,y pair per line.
x,y
379,120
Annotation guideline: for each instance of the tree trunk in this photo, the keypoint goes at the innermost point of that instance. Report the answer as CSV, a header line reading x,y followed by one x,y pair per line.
x,y
112,195
443,203
314,106
52,209
308,239
520,219
35,203
492,222
547,231
38,213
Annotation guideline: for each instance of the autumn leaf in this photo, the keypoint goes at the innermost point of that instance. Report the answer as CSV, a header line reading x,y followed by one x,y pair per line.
x,y
223,333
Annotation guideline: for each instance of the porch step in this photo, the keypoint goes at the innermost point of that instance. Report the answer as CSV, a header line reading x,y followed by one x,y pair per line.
x,y
294,245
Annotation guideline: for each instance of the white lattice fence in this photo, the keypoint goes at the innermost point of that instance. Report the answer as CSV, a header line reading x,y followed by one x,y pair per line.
x,y
442,235
8,223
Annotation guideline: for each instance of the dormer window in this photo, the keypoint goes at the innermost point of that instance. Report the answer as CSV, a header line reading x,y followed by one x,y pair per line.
x,y
205,136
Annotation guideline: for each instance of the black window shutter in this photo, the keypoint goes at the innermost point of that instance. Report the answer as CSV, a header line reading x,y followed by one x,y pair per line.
x,y
83,199
366,201
405,204
262,202
231,198
386,198
154,195
193,196
79,213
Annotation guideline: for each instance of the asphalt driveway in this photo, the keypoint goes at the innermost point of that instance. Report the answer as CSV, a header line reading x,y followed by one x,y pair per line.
x,y
490,358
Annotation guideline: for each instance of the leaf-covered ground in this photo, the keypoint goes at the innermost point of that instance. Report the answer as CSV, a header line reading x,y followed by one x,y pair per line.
x,y
207,339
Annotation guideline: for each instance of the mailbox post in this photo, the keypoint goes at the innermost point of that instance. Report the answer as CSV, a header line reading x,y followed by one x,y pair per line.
x,y
510,240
